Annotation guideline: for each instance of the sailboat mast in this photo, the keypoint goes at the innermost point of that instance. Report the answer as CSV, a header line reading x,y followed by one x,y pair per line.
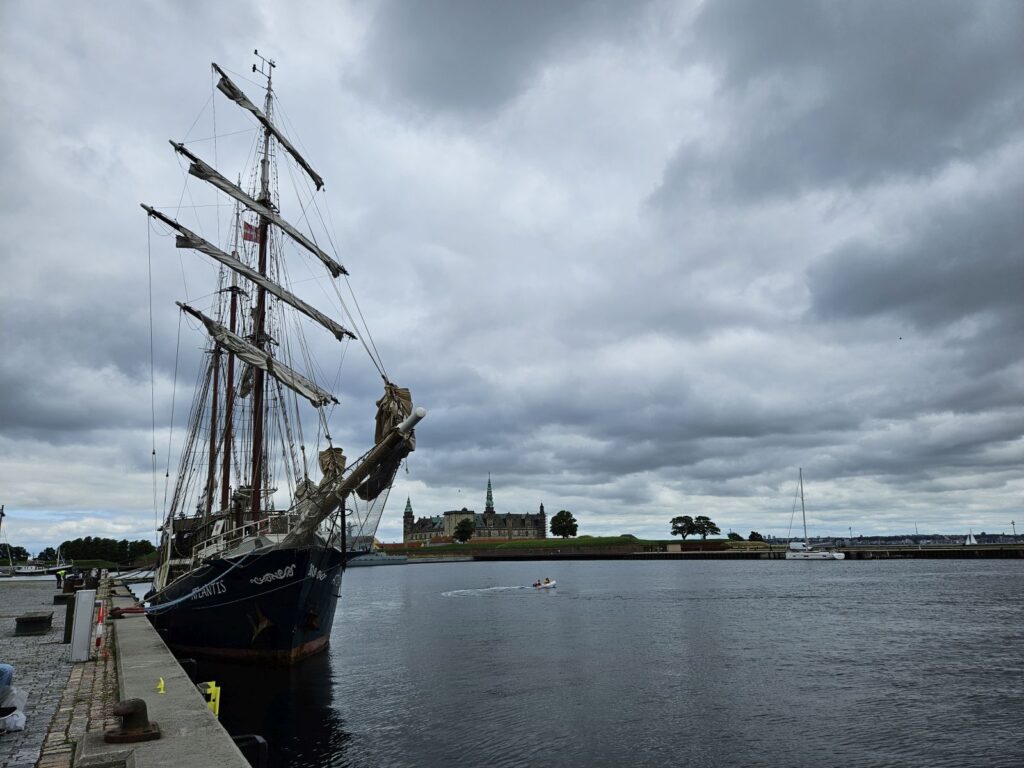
x,y
260,317
803,512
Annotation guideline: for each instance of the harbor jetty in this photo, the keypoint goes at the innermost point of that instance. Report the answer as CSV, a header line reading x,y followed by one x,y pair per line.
x,y
631,548
71,707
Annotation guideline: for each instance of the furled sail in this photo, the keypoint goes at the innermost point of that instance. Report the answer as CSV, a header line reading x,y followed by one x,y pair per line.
x,y
189,239
235,93
253,355
203,171
393,408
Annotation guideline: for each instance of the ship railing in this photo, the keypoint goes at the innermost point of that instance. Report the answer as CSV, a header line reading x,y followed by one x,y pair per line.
x,y
227,540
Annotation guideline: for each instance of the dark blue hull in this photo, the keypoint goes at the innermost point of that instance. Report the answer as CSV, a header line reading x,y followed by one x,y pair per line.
x,y
276,607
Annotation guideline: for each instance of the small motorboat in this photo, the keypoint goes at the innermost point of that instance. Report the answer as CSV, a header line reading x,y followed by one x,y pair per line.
x,y
543,585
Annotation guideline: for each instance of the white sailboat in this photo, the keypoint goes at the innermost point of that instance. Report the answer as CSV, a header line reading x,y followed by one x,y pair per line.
x,y
801,550
970,540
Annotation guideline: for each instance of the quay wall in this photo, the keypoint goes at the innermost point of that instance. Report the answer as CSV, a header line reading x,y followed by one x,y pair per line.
x,y
191,734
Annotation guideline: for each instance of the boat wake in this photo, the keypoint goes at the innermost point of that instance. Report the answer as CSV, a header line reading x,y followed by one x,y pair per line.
x,y
484,592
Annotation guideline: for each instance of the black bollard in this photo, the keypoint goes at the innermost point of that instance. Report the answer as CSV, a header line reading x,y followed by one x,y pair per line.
x,y
135,725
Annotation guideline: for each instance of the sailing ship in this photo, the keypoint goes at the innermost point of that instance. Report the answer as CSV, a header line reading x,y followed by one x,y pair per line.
x,y
246,571
802,550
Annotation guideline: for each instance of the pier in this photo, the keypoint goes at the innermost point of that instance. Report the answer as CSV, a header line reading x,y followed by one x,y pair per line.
x,y
70,706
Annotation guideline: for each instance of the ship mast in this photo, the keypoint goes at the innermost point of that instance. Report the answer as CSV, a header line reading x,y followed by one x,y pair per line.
x,y
803,512
229,383
259,336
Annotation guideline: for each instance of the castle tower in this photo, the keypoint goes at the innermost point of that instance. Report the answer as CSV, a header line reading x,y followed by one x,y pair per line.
x,y
489,506
407,520
543,522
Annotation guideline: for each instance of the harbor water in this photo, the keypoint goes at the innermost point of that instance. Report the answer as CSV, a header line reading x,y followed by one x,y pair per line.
x,y
710,663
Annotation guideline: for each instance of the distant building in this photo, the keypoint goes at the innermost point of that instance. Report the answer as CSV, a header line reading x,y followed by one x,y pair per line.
x,y
490,525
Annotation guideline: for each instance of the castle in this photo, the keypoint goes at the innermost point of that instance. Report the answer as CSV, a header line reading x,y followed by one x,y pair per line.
x,y
489,525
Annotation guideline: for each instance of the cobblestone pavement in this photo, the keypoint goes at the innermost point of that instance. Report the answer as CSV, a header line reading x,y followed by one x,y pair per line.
x,y
64,700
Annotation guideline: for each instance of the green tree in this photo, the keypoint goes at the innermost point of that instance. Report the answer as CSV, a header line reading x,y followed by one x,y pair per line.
x,y
564,524
465,529
734,536
704,526
11,552
140,548
755,536
49,554
683,526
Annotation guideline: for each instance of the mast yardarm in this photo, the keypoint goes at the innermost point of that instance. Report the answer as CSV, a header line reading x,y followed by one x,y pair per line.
x,y
203,171
235,93
255,356
189,239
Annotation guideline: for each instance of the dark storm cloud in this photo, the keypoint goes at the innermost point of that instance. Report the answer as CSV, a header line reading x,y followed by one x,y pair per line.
x,y
824,94
473,56
959,260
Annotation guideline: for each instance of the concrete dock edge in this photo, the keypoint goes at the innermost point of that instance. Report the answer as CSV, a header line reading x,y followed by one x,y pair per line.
x,y
190,732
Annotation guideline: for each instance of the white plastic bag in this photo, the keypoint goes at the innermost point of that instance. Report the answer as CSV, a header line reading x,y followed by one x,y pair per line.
x,y
15,721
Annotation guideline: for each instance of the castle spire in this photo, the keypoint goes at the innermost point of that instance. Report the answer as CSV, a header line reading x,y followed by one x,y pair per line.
x,y
407,520
489,506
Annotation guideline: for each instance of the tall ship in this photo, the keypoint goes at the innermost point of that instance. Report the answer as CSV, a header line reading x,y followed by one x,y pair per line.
x,y
253,543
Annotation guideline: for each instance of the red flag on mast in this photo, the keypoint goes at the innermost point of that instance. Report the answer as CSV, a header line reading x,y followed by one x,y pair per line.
x,y
250,232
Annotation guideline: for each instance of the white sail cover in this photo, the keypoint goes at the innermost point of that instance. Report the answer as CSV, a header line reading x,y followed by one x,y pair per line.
x,y
203,171
235,93
255,356
189,239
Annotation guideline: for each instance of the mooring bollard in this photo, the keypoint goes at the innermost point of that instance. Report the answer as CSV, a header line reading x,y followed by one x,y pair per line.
x,y
135,725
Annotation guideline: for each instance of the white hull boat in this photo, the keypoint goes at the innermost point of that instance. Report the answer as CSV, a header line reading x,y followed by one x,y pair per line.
x,y
801,550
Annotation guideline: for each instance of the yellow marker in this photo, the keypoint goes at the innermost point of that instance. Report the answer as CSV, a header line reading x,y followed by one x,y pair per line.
x,y
211,692
160,685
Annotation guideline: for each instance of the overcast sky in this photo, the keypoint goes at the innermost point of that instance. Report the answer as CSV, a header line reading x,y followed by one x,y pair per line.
x,y
636,259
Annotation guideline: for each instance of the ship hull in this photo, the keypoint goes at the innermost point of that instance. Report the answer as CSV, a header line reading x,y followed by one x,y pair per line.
x,y
276,607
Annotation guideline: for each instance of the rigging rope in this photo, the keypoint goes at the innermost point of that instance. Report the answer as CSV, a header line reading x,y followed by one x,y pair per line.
x,y
174,393
152,374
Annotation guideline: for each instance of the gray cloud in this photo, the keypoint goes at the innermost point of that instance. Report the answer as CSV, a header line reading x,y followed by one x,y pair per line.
x,y
822,95
472,57
635,261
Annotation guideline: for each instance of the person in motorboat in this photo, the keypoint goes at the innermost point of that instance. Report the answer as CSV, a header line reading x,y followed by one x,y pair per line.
x,y
547,580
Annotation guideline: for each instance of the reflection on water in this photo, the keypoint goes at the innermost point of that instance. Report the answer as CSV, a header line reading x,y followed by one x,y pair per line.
x,y
290,707
911,663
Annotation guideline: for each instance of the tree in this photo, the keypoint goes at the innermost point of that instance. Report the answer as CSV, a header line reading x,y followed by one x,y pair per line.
x,y
735,536
140,548
49,554
704,526
112,550
755,536
11,552
683,526
563,524
465,529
